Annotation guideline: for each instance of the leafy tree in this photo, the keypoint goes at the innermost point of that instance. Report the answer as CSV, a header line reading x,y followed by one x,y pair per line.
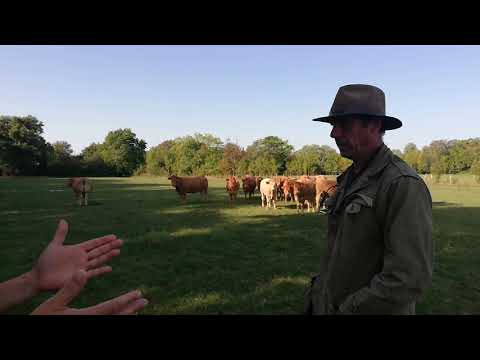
x,y
277,149
231,158
23,149
123,151
411,155
62,150
156,158
475,169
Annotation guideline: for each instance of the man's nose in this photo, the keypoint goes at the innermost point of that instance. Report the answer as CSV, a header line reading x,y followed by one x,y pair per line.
x,y
336,132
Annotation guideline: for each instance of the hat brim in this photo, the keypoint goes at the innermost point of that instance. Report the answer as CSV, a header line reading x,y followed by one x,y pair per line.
x,y
390,122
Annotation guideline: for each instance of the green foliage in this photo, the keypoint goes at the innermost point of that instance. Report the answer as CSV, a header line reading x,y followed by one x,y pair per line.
x,y
314,160
475,169
123,152
62,150
230,164
411,156
156,158
270,147
23,150
194,155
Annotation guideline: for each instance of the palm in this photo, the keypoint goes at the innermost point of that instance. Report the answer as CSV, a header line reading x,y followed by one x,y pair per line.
x,y
58,262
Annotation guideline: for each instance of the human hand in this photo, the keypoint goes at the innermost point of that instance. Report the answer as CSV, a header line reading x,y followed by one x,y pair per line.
x,y
126,304
58,262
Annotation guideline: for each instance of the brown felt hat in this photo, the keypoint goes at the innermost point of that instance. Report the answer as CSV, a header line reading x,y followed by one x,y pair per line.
x,y
360,100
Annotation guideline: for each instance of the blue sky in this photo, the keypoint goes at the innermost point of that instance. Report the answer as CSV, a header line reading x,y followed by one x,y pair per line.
x,y
238,92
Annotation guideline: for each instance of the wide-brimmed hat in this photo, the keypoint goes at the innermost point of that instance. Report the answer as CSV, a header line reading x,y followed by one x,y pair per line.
x,y
360,100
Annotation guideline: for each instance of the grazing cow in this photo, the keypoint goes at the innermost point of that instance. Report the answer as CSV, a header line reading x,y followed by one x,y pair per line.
x,y
81,187
189,184
258,179
268,191
324,188
232,187
304,192
249,184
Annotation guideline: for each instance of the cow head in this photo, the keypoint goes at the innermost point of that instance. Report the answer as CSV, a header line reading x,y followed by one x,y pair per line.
x,y
173,179
70,182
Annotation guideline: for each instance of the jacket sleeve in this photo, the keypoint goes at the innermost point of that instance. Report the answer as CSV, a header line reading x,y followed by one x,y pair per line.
x,y
408,256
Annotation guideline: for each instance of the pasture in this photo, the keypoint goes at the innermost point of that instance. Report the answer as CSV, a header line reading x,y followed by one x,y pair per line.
x,y
216,257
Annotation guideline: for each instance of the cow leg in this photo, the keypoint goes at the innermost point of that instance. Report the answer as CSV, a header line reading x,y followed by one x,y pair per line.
x,y
86,199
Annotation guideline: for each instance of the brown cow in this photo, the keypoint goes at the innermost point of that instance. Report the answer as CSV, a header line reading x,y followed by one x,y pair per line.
x,y
258,179
324,188
232,187
81,186
288,189
189,184
280,180
304,192
249,184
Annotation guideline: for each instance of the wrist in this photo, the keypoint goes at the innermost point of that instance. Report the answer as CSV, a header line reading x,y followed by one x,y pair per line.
x,y
30,283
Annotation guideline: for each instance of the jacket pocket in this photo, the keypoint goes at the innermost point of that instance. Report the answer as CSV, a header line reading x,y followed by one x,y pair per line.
x,y
357,202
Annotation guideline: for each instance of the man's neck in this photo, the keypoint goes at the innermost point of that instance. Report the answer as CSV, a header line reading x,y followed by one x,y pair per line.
x,y
359,164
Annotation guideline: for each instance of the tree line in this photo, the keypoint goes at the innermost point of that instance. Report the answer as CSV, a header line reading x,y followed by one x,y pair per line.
x,y
24,151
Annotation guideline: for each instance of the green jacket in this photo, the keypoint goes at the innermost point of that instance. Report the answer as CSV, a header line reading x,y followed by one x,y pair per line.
x,y
380,248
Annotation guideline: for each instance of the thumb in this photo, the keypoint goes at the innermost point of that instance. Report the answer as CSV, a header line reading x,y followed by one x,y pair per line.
x,y
61,232
71,289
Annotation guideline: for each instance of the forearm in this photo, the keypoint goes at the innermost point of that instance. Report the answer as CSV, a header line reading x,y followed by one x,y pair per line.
x,y
17,291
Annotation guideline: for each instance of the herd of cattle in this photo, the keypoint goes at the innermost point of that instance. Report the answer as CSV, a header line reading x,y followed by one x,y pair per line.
x,y
304,190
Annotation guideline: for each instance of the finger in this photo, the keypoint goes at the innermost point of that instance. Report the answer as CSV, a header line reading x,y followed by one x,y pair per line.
x,y
71,289
114,306
98,272
104,248
61,232
92,244
92,264
134,307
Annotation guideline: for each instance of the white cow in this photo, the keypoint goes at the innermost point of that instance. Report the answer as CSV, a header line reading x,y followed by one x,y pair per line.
x,y
268,191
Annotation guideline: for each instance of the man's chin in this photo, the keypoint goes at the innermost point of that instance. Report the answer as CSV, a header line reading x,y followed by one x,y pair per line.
x,y
345,154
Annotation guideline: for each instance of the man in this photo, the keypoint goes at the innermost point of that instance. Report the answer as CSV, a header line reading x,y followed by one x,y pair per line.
x,y
67,268
380,249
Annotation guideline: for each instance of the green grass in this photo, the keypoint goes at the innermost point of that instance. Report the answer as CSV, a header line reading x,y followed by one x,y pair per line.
x,y
213,257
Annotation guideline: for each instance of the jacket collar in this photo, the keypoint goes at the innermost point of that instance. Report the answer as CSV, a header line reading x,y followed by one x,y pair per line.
x,y
376,165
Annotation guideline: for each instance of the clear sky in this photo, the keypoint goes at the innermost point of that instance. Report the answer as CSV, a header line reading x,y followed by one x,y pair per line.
x,y
239,92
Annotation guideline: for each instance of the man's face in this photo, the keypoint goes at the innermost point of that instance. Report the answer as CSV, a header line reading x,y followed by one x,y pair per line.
x,y
353,138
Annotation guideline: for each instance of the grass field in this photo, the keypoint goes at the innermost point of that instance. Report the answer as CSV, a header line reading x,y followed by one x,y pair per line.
x,y
212,257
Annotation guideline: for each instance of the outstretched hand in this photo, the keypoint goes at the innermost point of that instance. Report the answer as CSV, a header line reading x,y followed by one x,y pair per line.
x,y
127,304
58,263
